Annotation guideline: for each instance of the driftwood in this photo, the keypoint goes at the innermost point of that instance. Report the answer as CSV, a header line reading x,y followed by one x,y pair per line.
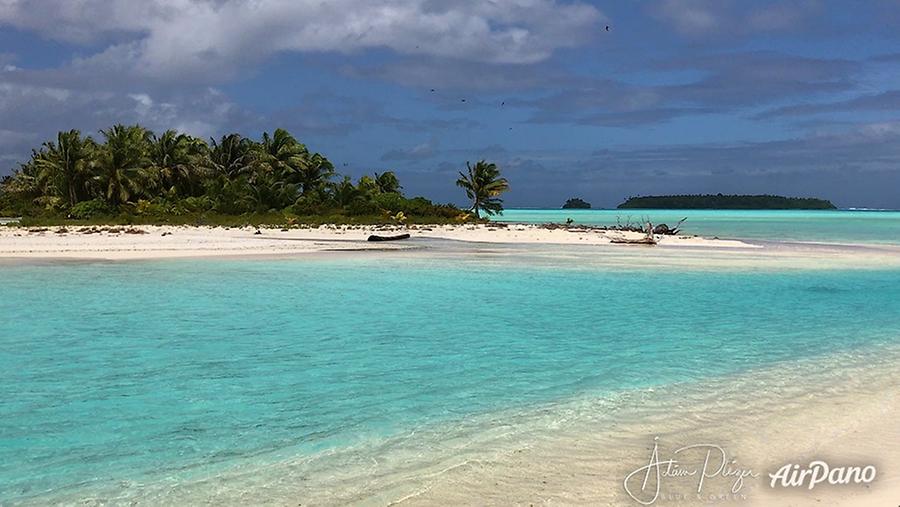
x,y
641,241
666,231
648,239
376,237
628,226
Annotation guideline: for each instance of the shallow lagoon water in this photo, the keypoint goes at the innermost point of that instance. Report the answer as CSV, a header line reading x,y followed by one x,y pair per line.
x,y
125,374
837,226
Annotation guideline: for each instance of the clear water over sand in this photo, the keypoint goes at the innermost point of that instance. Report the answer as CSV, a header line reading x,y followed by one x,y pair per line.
x,y
153,380
839,226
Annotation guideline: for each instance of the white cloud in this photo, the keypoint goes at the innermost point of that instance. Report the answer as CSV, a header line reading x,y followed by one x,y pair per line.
x,y
216,39
32,114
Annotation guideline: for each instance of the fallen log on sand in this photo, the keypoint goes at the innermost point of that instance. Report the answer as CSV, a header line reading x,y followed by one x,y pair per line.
x,y
376,237
641,241
648,239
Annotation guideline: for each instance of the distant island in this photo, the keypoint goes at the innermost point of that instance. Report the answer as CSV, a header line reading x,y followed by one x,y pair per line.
x,y
576,203
719,201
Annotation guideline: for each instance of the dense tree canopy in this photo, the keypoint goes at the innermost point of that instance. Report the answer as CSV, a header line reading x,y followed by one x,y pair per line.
x,y
576,203
129,170
720,201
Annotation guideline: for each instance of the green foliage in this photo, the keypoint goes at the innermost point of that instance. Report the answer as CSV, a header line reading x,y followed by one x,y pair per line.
x,y
576,203
90,209
61,167
719,201
483,186
387,183
133,175
392,203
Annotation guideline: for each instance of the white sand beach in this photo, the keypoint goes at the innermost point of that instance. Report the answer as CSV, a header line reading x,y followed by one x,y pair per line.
x,y
584,246
150,242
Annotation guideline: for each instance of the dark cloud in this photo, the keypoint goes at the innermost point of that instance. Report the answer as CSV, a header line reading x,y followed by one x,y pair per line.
x,y
453,75
886,101
858,166
727,83
748,79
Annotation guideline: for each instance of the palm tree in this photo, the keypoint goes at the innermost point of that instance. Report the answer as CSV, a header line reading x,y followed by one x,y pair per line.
x,y
61,166
315,174
173,157
388,183
282,154
267,192
483,185
367,186
345,192
230,157
122,162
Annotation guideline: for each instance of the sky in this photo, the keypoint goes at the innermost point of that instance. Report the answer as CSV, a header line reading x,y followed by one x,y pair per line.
x,y
591,99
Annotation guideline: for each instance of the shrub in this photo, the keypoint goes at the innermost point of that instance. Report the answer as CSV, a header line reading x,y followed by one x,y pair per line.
x,y
361,206
89,209
145,207
196,204
393,203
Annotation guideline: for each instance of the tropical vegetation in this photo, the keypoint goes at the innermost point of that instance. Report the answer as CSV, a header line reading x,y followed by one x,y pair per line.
x,y
483,186
576,203
130,174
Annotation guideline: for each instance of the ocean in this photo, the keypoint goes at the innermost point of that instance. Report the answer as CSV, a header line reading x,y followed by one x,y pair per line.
x,y
838,226
149,381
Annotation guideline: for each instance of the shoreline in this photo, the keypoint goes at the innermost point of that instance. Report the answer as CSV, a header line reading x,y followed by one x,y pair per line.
x,y
149,242
576,247
578,450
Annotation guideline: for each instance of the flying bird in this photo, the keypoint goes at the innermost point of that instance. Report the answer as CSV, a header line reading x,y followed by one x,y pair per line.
x,y
607,28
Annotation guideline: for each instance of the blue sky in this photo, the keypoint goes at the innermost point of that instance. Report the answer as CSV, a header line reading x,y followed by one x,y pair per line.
x,y
799,97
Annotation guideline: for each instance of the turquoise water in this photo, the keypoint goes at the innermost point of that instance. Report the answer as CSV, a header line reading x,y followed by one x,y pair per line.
x,y
148,371
816,226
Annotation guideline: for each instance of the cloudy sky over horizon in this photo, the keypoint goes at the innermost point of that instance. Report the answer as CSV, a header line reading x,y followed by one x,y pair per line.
x,y
799,97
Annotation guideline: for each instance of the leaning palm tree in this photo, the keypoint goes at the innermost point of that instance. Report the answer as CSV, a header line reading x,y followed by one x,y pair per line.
x,y
122,163
62,166
483,185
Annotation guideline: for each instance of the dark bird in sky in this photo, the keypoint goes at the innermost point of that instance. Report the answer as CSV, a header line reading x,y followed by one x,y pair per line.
x,y
607,28
503,103
432,90
463,100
